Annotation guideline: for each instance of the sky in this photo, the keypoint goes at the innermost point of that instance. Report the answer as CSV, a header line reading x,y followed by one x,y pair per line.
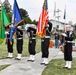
x,y
34,8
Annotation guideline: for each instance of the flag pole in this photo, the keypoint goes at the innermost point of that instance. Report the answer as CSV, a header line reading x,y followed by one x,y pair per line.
x,y
55,13
65,15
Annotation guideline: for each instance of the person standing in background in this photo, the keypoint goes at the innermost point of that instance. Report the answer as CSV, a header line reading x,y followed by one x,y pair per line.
x,y
57,37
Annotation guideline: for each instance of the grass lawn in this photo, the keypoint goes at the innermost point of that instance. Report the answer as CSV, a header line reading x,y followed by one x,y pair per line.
x,y
55,67
3,67
3,48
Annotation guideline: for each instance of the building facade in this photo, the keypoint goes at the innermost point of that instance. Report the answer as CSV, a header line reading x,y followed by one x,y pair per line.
x,y
58,25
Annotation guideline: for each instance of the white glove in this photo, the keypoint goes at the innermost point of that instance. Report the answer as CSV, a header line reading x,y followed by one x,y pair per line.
x,y
6,32
64,34
26,27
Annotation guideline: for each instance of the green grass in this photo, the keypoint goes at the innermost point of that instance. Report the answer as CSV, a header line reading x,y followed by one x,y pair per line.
x,y
3,67
3,48
55,67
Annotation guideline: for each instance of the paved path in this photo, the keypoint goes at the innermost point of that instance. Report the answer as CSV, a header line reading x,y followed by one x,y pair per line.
x,y
23,67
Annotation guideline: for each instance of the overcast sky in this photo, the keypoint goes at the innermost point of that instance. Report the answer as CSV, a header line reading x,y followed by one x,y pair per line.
x,y
34,8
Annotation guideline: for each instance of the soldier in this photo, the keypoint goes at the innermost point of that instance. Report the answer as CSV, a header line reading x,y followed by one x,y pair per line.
x,y
9,45
67,43
45,44
32,42
19,44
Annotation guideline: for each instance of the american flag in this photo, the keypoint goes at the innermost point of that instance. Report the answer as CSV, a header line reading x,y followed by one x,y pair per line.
x,y
43,19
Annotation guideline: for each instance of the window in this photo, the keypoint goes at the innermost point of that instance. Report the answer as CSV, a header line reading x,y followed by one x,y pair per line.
x,y
57,26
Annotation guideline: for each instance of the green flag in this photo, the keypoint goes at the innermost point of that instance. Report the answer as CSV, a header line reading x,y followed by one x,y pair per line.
x,y
2,33
4,21
4,17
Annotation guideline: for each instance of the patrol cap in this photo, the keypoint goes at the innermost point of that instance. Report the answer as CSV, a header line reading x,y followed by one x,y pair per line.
x,y
67,25
33,26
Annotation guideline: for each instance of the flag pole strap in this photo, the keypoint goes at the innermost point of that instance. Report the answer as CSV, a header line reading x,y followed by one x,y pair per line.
x,y
19,22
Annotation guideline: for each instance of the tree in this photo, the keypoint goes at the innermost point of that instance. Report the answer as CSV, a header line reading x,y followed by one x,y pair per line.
x,y
25,16
24,13
35,22
75,24
7,6
10,16
27,20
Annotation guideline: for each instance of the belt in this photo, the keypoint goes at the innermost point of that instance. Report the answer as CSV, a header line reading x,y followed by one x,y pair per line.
x,y
19,38
8,38
32,38
47,37
69,41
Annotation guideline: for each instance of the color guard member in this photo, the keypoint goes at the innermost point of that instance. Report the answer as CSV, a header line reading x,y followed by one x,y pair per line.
x,y
32,42
67,43
19,44
45,44
9,45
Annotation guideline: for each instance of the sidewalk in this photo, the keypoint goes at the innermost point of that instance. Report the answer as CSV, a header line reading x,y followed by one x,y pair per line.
x,y
23,67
